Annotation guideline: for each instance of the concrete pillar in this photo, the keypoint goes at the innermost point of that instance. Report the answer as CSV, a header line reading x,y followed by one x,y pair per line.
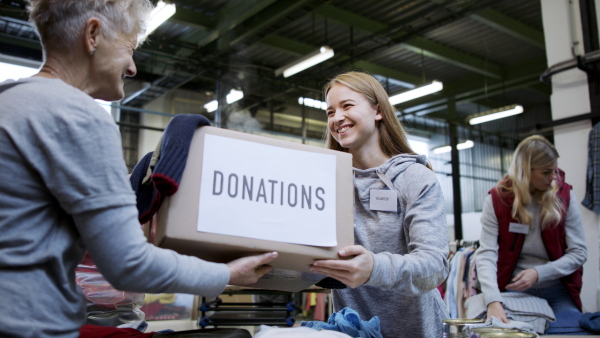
x,y
563,35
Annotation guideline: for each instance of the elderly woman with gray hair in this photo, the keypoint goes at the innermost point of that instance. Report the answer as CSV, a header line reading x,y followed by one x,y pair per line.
x,y
65,188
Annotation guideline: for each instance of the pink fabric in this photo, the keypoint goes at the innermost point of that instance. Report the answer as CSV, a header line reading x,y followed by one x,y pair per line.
x,y
319,313
472,291
442,289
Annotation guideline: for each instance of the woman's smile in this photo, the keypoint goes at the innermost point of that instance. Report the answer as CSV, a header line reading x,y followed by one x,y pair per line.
x,y
343,129
352,119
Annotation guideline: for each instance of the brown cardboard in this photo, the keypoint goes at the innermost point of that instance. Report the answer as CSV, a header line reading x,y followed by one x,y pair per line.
x,y
177,220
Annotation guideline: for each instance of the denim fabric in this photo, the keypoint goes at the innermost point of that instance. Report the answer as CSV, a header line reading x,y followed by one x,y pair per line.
x,y
557,296
566,312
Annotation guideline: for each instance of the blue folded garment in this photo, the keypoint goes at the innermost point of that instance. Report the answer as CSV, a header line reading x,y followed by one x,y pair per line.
x,y
348,321
567,323
591,322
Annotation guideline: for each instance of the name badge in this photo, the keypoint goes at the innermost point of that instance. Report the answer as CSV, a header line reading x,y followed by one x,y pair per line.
x,y
383,200
519,228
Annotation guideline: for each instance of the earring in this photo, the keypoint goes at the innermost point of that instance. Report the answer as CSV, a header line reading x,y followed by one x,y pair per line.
x,y
92,52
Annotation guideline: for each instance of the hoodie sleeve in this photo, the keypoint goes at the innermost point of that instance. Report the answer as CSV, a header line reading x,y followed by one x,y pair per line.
x,y
423,227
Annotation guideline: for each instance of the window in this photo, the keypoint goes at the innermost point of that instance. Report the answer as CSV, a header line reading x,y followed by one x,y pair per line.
x,y
14,72
419,144
11,71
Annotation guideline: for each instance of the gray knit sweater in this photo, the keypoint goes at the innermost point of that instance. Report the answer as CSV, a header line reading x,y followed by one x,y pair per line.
x,y
65,190
410,249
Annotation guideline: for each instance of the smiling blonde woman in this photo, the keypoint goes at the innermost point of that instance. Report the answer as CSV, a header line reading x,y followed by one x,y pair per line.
x,y
401,246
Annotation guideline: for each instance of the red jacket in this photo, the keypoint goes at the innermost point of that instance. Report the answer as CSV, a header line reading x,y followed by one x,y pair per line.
x,y
510,244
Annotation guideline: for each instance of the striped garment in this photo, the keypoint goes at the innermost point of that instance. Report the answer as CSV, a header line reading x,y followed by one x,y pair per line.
x,y
519,306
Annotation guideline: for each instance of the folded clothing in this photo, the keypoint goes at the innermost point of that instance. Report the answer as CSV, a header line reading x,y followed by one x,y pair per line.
x,y
514,324
159,173
590,322
348,321
519,306
567,323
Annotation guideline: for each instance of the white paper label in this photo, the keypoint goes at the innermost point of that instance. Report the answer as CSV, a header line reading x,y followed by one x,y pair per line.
x,y
383,200
259,191
518,228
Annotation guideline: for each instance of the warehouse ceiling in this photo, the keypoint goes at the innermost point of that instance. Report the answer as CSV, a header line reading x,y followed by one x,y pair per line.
x,y
488,53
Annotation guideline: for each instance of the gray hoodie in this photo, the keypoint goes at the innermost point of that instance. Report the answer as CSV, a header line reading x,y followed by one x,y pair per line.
x,y
410,250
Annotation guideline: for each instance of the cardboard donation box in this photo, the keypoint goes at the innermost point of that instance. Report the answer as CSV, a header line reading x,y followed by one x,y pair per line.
x,y
243,194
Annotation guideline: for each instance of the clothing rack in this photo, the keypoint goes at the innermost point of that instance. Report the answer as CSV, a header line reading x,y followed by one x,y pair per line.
x,y
461,243
465,243
461,281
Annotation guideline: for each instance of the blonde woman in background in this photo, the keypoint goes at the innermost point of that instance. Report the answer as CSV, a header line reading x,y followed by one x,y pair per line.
x,y
532,238
400,256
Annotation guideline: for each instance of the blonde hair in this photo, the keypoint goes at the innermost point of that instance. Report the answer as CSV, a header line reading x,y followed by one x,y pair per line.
x,y
392,136
59,23
534,152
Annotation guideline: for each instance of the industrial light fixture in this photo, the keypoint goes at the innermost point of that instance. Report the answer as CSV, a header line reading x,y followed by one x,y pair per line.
x,y
161,13
211,106
312,103
445,149
307,61
233,96
495,114
434,86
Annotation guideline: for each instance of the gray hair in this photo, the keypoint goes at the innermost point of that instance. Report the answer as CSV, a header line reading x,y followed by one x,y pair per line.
x,y
59,23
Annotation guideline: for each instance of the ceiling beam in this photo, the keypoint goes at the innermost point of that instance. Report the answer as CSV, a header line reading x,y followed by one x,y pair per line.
x,y
510,26
418,45
541,88
301,48
206,28
193,19
406,80
260,21
442,104
21,42
452,56
348,18
200,22
287,45
520,75
232,15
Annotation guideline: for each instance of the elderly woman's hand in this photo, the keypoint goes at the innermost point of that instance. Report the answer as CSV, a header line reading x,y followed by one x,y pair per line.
x,y
523,280
247,270
352,272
